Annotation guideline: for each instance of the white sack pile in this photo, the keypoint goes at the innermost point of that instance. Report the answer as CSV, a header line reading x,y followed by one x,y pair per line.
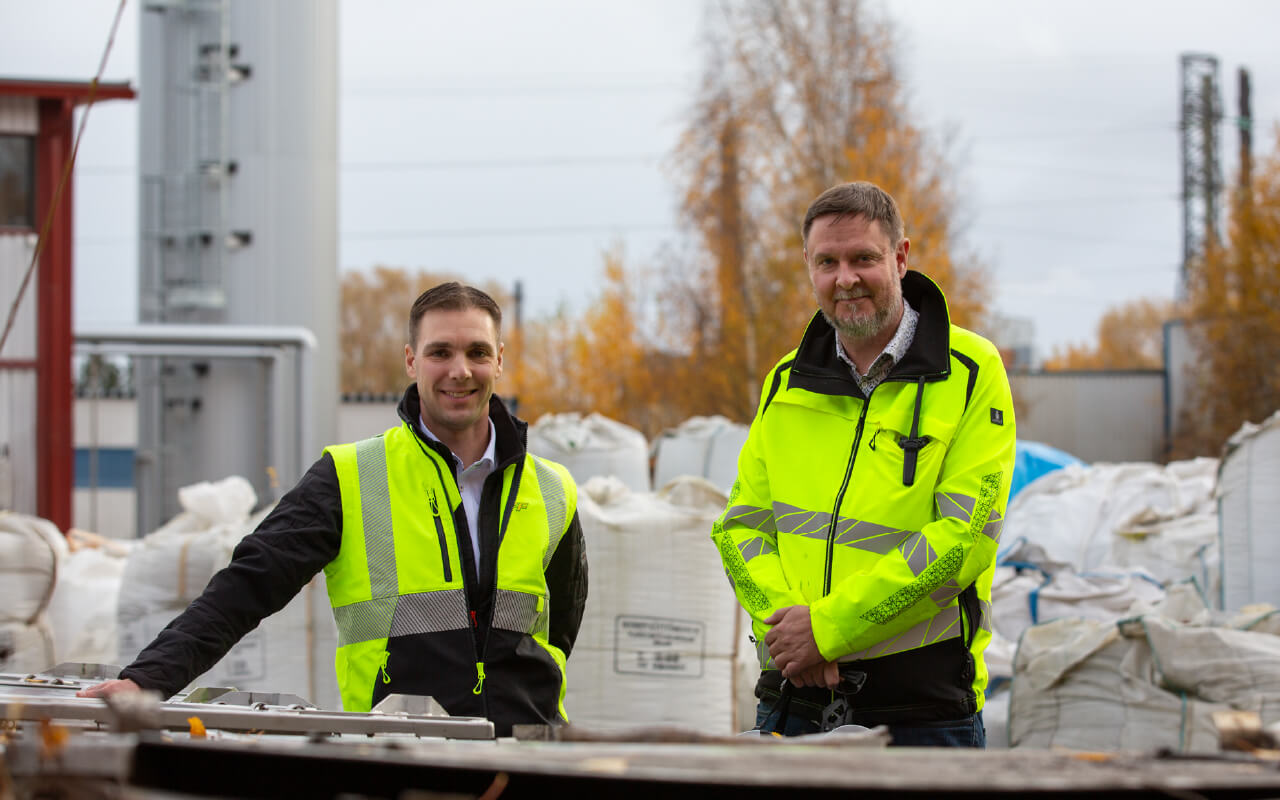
x,y
30,551
1030,588
1121,517
592,446
291,651
703,446
82,611
1146,683
660,639
1249,504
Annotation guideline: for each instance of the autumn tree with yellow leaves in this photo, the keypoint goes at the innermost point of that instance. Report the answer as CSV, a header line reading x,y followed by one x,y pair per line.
x,y
1130,336
1233,319
373,320
795,97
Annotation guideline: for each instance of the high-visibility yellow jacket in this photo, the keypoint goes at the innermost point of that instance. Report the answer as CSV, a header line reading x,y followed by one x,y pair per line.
x,y
404,596
880,513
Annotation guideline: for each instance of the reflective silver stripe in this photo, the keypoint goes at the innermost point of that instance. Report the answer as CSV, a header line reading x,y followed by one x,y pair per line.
x,y
763,656
792,519
518,611
946,592
758,519
869,536
364,621
985,622
994,526
959,506
917,553
946,625
431,612
860,535
375,514
755,547
553,500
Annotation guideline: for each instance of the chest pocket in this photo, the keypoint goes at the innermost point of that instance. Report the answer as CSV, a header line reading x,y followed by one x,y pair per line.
x,y
898,456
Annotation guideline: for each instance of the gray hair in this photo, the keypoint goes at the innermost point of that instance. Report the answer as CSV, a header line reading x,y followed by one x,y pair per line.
x,y
857,199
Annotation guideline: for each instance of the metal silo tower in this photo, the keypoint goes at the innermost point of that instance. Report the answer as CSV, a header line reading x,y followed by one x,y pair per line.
x,y
238,223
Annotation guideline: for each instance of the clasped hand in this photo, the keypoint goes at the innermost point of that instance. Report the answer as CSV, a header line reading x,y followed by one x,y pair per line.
x,y
795,651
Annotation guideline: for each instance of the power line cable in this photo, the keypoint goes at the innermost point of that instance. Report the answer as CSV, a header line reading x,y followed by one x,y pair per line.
x,y
62,182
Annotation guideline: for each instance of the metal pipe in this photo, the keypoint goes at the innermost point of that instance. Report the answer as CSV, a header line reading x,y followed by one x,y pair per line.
x,y
224,341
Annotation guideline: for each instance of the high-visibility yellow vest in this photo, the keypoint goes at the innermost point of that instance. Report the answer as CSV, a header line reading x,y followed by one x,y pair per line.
x,y
399,593
883,513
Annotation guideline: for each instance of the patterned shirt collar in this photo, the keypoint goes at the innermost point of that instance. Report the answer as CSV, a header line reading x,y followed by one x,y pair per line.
x,y
892,353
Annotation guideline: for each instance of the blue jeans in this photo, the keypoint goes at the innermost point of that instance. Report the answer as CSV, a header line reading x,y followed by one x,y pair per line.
x,y
965,732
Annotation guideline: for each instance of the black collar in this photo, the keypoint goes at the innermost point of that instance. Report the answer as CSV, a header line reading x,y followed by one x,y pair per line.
x,y
511,431
817,368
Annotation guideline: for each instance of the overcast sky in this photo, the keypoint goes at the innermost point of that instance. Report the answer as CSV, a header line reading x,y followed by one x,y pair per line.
x,y
1064,118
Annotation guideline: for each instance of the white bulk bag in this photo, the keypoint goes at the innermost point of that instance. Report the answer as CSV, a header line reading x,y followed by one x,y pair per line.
x,y
290,651
83,609
26,647
707,447
661,637
30,549
592,446
1249,508
1076,513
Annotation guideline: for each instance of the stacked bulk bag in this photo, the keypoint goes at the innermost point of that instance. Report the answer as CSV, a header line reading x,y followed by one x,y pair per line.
x,y
83,609
1249,507
291,651
703,446
662,635
31,550
1117,517
1145,683
592,446
1032,460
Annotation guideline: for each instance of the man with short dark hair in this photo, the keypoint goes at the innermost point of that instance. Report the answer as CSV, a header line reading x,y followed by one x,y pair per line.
x,y
861,532
454,559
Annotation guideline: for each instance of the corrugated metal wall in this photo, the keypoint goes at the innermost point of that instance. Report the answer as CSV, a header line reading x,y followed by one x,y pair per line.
x,y
1097,416
18,383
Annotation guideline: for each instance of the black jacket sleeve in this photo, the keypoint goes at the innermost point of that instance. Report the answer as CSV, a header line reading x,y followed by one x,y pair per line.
x,y
567,584
296,540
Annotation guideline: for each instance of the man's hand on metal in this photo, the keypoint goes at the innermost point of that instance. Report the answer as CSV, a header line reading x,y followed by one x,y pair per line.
x,y
792,646
108,688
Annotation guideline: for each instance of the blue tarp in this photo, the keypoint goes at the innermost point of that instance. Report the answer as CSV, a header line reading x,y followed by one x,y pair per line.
x,y
1034,459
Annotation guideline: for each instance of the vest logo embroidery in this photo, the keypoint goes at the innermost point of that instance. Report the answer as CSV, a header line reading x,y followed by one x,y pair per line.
x,y
521,506
997,416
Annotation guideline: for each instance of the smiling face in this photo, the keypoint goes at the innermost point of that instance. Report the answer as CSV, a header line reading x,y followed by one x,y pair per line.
x,y
455,360
856,274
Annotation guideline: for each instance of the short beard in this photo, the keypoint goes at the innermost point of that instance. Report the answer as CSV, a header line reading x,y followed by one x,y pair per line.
x,y
862,327
867,326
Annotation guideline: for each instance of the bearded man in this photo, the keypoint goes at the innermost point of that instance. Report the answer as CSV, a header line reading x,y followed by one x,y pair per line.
x,y
862,530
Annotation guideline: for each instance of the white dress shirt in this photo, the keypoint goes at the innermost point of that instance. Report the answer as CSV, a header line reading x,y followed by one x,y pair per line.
x,y
470,483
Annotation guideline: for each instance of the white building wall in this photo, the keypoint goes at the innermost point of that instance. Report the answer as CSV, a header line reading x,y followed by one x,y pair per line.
x,y
1096,416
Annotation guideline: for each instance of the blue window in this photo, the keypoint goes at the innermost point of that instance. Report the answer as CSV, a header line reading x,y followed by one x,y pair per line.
x,y
115,468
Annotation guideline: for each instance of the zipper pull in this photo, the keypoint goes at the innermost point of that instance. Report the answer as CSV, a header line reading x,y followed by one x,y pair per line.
x,y
386,676
435,508
474,624
480,675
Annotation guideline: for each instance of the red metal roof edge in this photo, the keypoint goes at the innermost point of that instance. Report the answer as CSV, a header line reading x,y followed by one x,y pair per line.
x,y
76,91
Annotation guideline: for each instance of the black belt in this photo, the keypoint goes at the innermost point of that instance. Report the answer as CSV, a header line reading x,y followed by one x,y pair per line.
x,y
928,684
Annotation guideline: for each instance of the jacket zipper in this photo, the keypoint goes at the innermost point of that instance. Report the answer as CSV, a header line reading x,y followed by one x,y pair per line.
x,y
475,643
844,485
444,544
